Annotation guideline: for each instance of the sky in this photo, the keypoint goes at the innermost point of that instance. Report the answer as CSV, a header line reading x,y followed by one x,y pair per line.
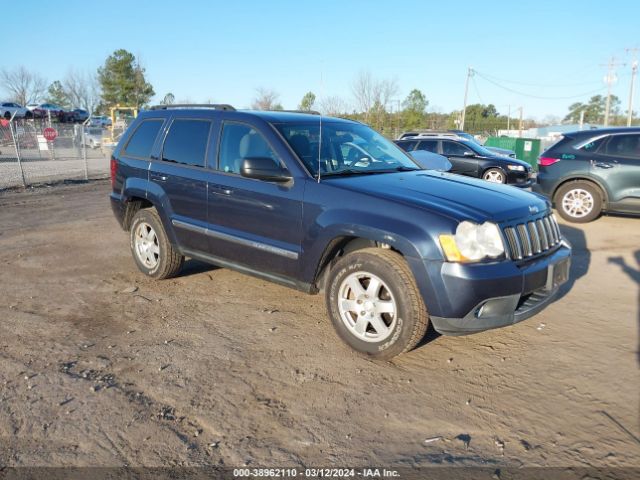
x,y
222,51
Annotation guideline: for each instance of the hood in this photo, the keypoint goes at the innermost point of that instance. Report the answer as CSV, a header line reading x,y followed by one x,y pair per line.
x,y
501,151
458,197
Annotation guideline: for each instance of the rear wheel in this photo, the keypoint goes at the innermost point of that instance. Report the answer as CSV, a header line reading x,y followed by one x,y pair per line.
x,y
153,253
494,175
374,303
579,202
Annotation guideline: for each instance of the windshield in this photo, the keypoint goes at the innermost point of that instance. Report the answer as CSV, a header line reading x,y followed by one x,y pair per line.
x,y
479,149
347,148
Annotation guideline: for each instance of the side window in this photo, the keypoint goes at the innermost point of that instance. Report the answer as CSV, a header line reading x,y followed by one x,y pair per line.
x,y
623,146
187,142
429,146
594,145
141,142
453,148
407,146
238,142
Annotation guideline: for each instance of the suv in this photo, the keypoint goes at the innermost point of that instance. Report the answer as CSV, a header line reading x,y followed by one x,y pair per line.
x,y
286,197
591,171
472,159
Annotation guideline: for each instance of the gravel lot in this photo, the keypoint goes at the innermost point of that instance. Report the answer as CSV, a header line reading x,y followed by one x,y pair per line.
x,y
102,366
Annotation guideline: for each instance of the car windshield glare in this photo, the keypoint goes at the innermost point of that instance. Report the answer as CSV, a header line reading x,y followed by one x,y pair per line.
x,y
343,148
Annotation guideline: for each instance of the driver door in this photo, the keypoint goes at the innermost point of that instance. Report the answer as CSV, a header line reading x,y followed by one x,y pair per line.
x,y
462,158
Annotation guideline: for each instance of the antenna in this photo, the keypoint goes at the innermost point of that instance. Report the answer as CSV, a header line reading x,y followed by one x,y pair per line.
x,y
320,135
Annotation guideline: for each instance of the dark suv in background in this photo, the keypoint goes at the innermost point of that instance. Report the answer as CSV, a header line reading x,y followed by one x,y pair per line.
x,y
592,171
320,203
472,159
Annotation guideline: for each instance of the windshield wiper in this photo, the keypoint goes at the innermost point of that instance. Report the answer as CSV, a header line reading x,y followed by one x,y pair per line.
x,y
352,171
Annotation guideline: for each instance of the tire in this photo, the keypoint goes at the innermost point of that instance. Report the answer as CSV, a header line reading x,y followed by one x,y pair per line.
x,y
153,253
579,201
397,292
494,175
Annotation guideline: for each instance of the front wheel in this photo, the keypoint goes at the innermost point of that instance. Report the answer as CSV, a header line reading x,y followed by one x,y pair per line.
x,y
578,202
153,253
494,175
374,303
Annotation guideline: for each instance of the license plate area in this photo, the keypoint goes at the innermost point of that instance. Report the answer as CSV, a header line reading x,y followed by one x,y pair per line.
x,y
557,274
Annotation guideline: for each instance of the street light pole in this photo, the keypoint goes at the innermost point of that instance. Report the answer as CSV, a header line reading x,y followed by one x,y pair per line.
x,y
466,94
634,71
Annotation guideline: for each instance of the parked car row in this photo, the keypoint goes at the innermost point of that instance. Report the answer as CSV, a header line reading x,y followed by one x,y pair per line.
x,y
9,110
584,174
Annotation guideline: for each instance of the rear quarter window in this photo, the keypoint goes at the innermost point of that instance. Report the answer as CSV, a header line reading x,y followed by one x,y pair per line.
x,y
186,142
141,142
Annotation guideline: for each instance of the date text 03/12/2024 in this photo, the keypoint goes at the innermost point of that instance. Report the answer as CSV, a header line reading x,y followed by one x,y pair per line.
x,y
315,473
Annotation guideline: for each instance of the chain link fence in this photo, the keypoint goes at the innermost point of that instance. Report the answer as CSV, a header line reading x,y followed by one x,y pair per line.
x,y
27,158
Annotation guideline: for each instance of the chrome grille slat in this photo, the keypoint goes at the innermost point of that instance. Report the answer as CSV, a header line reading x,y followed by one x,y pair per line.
x,y
523,233
542,233
514,244
532,238
547,227
535,238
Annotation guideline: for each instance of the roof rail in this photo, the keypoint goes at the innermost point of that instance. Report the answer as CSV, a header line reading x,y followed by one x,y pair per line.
x,y
310,112
214,106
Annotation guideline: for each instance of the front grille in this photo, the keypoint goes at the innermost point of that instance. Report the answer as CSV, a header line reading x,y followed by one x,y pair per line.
x,y
532,238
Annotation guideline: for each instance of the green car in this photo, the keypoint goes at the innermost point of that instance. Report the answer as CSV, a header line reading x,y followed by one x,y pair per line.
x,y
590,172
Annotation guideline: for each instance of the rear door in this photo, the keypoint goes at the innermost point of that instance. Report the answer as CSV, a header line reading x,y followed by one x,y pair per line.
x,y
617,164
180,178
462,158
252,222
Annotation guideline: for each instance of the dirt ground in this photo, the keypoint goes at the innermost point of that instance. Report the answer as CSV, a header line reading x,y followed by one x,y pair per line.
x,y
102,366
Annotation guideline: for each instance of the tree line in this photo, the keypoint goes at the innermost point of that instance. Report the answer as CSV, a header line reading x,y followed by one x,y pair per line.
x,y
121,80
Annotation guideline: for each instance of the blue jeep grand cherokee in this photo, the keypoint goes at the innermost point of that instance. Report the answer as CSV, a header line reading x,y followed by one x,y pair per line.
x,y
319,203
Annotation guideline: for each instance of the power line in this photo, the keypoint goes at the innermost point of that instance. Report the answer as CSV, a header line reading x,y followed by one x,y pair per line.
x,y
539,97
541,85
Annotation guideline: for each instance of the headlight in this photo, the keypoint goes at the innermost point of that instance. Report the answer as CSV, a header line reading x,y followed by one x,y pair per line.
x,y
472,242
516,168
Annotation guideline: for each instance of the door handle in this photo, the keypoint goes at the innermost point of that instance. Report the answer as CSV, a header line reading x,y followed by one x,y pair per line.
x,y
602,165
220,190
159,178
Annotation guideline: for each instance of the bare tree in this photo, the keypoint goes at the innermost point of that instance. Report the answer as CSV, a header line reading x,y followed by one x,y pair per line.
x,y
82,90
363,92
371,94
266,99
333,106
23,86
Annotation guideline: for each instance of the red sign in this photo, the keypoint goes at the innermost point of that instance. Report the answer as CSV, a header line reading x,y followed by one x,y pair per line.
x,y
50,134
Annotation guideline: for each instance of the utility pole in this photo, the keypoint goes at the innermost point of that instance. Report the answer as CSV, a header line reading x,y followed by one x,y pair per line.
x,y
581,118
509,119
520,126
634,71
610,79
466,93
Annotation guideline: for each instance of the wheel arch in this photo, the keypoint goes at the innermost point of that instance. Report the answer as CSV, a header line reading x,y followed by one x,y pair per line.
x,y
582,178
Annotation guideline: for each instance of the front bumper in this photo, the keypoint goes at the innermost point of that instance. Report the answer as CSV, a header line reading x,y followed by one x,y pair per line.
x,y
520,179
482,297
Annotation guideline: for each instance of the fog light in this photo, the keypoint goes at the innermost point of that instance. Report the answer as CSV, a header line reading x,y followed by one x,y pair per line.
x,y
479,310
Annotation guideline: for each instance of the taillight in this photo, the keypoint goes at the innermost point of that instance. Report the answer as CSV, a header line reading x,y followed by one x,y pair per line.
x,y
114,170
546,161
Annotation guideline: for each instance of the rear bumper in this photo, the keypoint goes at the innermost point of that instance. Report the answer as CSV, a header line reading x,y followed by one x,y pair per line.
x,y
486,298
119,207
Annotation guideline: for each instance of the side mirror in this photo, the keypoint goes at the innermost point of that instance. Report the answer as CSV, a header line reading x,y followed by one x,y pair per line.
x,y
264,168
431,161
467,153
